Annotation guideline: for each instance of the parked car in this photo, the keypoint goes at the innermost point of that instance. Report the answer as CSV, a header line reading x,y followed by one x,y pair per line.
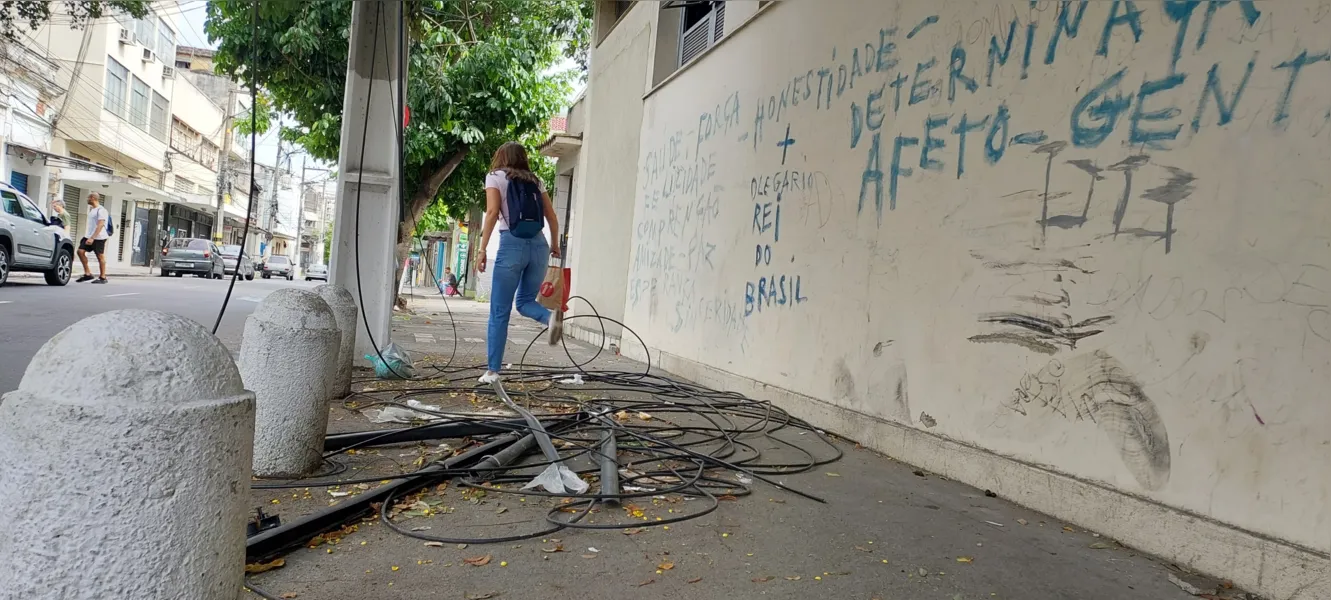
x,y
31,242
319,272
232,256
279,266
192,255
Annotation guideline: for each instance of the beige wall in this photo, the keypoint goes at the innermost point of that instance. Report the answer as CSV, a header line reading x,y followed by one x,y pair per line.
x,y
198,111
84,119
605,187
1111,260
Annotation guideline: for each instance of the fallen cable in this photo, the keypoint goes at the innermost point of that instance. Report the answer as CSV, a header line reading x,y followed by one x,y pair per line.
x,y
642,435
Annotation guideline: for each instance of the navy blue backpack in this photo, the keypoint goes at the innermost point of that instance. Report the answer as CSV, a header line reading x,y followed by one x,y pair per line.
x,y
526,210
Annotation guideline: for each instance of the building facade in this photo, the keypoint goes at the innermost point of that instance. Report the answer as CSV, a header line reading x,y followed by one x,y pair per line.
x,y
129,128
1076,253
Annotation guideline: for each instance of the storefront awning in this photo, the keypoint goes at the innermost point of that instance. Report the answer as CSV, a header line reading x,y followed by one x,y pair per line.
x,y
115,186
561,145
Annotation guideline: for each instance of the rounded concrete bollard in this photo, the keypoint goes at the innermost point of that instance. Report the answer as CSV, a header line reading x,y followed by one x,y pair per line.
x,y
286,359
344,309
125,464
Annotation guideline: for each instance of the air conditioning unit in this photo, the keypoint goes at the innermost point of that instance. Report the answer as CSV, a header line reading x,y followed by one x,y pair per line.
x,y
148,54
126,36
168,72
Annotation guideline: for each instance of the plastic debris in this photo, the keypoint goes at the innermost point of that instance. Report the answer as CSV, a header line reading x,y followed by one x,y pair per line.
x,y
401,414
558,479
392,362
576,379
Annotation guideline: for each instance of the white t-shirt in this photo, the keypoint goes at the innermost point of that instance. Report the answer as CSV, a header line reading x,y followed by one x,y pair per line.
x,y
499,181
95,214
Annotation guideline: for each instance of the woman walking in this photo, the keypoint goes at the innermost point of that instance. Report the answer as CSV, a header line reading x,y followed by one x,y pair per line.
x,y
517,204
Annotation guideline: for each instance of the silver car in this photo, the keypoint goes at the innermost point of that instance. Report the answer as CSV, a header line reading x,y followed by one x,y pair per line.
x,y
31,242
319,272
192,255
278,266
231,256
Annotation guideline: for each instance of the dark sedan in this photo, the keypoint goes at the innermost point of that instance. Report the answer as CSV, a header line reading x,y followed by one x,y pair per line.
x,y
192,255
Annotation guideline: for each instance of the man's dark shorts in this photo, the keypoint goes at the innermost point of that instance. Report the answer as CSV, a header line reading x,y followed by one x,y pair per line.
x,y
97,247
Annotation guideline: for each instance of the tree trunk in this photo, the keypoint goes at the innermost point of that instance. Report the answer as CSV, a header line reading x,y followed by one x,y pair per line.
x,y
415,208
473,242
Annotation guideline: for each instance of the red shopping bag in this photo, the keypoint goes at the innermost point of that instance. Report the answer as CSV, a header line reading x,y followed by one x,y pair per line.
x,y
554,290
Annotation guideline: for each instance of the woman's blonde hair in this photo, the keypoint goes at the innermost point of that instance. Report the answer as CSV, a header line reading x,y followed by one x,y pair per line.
x,y
511,158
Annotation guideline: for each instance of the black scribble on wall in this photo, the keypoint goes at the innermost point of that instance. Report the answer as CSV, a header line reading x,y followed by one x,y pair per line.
x,y
843,383
1061,264
1126,166
1062,299
1070,221
1052,149
1042,334
1097,388
1178,187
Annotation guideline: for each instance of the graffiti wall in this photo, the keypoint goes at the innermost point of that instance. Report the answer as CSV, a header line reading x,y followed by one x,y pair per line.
x,y
1094,236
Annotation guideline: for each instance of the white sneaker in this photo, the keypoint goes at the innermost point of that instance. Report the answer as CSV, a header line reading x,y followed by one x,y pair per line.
x,y
489,377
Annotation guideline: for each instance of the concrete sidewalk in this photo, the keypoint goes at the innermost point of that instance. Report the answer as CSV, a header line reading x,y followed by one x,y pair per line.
x,y
887,531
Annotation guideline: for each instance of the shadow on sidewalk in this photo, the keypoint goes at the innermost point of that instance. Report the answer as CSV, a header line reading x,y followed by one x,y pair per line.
x,y
886,531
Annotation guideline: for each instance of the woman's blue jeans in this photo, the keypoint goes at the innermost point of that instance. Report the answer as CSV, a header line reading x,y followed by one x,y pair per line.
x,y
518,270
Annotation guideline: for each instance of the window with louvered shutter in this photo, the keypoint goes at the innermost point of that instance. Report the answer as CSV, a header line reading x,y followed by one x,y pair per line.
x,y
695,40
719,18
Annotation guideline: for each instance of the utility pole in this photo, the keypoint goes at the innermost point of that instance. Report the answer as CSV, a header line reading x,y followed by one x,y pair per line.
x,y
223,166
277,177
300,213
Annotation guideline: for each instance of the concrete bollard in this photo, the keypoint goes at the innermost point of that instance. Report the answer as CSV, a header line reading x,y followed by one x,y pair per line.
x,y
125,464
344,309
286,359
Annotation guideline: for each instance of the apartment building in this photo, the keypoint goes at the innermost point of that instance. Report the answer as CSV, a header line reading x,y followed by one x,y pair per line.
x,y
131,129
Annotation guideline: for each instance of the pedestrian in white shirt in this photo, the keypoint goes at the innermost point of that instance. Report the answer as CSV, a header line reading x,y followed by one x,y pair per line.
x,y
99,228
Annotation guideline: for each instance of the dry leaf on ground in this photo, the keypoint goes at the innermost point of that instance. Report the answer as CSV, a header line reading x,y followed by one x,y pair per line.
x,y
695,580
435,544
478,561
648,582
763,579
557,548
793,578
666,566
965,559
863,549
255,568
289,595
483,596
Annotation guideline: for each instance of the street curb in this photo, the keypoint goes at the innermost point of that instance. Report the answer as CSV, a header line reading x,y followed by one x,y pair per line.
x,y
73,277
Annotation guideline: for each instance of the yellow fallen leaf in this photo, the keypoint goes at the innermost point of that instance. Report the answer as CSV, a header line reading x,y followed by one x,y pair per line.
x,y
965,559
666,566
833,474
793,578
254,568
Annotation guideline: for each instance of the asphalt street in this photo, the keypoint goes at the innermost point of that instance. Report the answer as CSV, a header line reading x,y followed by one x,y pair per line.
x,y
31,312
